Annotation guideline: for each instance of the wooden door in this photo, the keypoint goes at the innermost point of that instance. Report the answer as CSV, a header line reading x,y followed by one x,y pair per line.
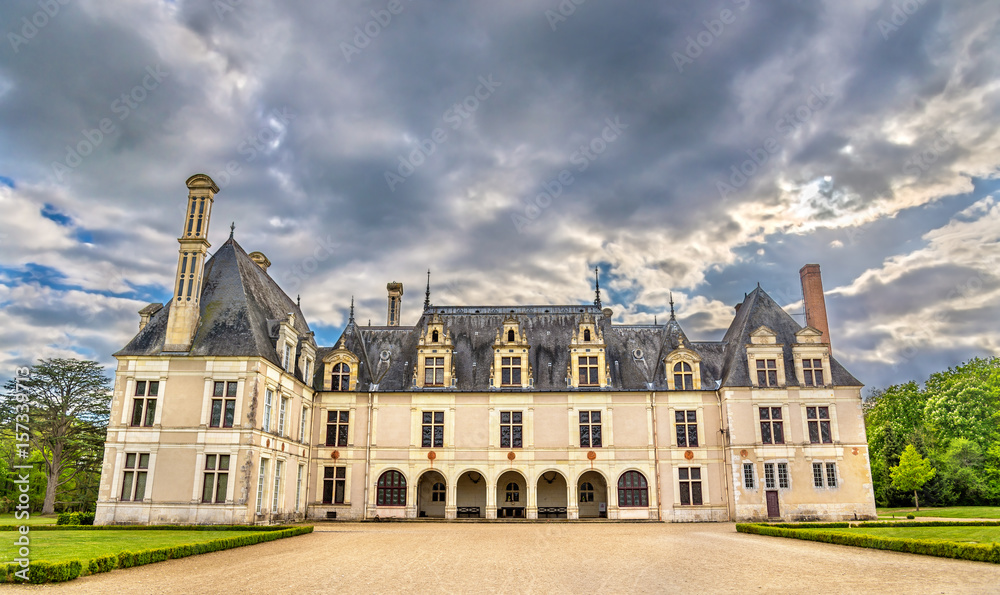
x,y
772,504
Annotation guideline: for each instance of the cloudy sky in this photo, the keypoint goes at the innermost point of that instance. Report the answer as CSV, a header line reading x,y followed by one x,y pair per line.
x,y
698,147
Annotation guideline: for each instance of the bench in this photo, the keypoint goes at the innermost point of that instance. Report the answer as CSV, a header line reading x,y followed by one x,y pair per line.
x,y
510,512
548,512
468,512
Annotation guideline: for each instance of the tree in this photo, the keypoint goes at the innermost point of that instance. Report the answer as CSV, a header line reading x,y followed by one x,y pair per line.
x,y
69,406
912,472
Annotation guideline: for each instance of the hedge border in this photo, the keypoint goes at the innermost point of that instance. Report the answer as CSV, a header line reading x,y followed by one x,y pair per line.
x,y
150,527
976,552
55,572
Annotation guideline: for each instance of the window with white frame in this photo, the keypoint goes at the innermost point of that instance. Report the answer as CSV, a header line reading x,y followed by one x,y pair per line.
x,y
772,430
510,429
748,476
686,426
223,412
432,429
276,494
261,484
334,484
776,476
216,479
769,483
337,432
298,487
302,424
812,372
282,410
767,372
783,476
134,477
265,423
818,475
144,403
690,485
287,361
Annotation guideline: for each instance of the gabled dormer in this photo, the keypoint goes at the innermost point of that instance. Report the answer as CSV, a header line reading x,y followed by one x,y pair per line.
x,y
307,358
341,367
683,369
812,358
435,362
510,367
765,359
286,341
588,366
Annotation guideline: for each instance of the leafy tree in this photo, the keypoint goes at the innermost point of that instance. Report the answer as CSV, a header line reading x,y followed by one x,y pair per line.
x,y
964,402
912,473
961,473
68,407
894,417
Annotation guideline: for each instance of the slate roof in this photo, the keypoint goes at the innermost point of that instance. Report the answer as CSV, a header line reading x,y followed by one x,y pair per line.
x,y
239,304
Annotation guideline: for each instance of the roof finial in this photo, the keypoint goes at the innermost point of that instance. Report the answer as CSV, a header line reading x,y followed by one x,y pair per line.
x,y
298,301
351,319
232,228
427,294
597,287
654,320
672,306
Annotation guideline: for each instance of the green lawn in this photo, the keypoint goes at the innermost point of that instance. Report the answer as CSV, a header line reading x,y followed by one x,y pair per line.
x,y
960,534
36,519
951,512
56,546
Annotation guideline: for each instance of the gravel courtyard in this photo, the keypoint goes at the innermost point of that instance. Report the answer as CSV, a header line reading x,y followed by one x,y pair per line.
x,y
542,558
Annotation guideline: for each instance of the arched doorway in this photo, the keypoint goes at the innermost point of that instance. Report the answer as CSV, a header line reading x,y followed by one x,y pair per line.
x,y
551,495
512,495
431,495
592,496
470,496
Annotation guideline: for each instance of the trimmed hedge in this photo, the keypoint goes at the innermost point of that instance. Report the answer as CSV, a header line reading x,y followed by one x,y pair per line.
x,y
150,527
978,552
75,518
881,524
57,572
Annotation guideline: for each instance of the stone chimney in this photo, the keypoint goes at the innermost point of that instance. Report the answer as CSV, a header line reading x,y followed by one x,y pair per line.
x,y
395,302
260,260
815,304
146,313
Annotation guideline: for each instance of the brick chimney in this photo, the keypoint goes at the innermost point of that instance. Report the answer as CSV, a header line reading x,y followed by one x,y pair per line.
x,y
815,304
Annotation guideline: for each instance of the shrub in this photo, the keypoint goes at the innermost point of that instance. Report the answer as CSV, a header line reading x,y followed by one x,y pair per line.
x,y
910,517
87,518
69,518
102,564
54,572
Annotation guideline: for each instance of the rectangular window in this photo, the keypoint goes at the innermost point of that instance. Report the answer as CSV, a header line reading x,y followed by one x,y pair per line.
x,y
769,476
783,476
772,430
134,479
144,404
261,483
337,427
690,483
818,475
590,429
686,424
334,484
432,429
265,423
302,424
298,487
831,475
767,372
588,370
223,405
510,429
216,479
819,425
282,410
510,371
278,467
748,479
433,371
287,362
812,372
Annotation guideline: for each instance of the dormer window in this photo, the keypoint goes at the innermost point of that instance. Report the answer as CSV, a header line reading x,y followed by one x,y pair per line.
x,y
765,359
812,372
588,366
812,358
341,380
287,362
511,336
510,371
683,376
586,335
435,366
510,367
767,372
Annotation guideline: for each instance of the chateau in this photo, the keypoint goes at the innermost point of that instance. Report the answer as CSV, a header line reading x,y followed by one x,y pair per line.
x,y
225,409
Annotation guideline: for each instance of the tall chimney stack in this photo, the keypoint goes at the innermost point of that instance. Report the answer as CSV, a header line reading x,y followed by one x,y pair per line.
x,y
815,304
395,302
